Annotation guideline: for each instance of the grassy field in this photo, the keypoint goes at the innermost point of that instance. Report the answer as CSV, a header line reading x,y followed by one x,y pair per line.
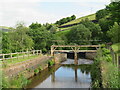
x,y
90,17
9,62
61,33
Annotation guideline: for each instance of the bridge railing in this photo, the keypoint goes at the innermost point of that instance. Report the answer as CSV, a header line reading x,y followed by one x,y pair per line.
x,y
20,54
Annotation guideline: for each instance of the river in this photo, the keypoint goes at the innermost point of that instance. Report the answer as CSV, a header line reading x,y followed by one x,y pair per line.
x,y
62,76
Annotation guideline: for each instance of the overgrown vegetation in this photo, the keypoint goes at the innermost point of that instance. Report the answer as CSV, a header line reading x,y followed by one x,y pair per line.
x,y
51,63
104,73
16,82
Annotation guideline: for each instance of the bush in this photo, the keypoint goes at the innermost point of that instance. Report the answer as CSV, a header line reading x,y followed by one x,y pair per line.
x,y
105,51
36,71
51,63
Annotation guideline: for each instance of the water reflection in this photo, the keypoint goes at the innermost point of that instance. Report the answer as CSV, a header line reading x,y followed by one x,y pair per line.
x,y
64,77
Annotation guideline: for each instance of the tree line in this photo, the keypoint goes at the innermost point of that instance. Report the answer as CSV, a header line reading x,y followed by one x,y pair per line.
x,y
38,36
65,20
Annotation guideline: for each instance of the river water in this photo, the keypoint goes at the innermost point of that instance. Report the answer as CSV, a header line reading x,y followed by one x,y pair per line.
x,y
62,76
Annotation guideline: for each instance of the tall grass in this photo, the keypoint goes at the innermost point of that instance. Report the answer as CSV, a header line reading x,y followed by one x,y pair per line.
x,y
16,82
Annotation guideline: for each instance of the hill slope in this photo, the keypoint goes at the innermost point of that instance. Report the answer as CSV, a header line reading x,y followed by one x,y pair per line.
x,y
90,17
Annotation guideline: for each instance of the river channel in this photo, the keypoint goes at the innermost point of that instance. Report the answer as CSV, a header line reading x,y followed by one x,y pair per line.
x,y
62,76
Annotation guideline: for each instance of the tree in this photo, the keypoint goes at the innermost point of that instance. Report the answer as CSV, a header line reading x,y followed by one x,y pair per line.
x,y
114,10
35,25
53,29
79,35
40,37
101,14
114,33
6,43
73,17
95,29
105,25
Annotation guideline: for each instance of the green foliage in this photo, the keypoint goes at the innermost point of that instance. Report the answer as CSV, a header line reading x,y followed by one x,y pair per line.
x,y
6,43
90,17
95,29
35,25
103,45
101,14
96,74
53,29
114,10
105,51
40,68
104,55
105,24
65,20
36,71
17,40
51,63
113,75
79,35
17,82
114,33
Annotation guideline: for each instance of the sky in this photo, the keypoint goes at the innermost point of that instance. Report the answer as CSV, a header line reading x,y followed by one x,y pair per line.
x,y
45,11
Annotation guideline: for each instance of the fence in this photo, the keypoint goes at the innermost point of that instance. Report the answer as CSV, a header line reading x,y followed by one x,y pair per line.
x,y
20,54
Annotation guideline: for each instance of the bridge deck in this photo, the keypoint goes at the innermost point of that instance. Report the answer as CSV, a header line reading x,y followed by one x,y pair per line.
x,y
76,50
75,46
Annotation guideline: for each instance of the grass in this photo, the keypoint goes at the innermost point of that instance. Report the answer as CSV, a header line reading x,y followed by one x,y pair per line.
x,y
116,47
4,27
62,33
15,60
90,17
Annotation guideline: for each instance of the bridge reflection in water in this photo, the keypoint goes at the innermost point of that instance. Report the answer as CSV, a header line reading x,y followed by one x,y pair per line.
x,y
70,76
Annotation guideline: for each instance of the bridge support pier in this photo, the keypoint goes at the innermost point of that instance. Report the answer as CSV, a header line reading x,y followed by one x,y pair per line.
x,y
75,57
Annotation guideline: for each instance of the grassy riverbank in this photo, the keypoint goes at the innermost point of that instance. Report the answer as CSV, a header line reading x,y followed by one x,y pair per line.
x,y
11,62
105,73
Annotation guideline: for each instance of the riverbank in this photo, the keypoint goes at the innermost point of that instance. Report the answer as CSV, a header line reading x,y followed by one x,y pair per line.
x,y
104,72
29,68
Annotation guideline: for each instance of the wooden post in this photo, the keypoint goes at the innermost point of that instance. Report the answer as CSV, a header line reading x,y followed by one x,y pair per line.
x,y
52,52
23,54
28,53
17,55
117,60
37,52
40,52
75,57
11,55
3,56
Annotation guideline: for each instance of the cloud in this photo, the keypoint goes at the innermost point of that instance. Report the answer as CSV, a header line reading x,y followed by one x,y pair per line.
x,y
14,11
28,11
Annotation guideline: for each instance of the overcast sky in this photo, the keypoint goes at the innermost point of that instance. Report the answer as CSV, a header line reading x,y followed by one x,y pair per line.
x,y
43,11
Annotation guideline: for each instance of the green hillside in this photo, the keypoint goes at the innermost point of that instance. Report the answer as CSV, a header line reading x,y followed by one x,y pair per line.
x,y
90,17
4,28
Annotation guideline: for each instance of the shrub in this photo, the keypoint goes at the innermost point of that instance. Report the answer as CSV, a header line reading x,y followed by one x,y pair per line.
x,y
36,71
50,63
105,51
